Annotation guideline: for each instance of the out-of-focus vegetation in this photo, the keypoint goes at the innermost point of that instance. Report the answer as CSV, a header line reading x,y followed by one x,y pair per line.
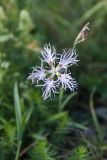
x,y
70,126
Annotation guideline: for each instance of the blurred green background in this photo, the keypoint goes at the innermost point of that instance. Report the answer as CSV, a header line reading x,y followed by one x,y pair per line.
x,y
71,126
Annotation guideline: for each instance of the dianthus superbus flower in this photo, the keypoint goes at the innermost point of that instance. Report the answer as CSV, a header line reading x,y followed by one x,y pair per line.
x,y
54,72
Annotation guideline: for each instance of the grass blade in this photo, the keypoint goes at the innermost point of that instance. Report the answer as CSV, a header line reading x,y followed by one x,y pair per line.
x,y
93,10
94,117
28,115
56,116
18,151
18,113
67,100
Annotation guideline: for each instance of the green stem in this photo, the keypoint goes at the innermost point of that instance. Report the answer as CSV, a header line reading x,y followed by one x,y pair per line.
x,y
18,150
94,117
60,98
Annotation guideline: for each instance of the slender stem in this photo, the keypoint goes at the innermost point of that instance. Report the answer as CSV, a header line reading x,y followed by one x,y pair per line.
x,y
18,150
60,98
27,149
94,117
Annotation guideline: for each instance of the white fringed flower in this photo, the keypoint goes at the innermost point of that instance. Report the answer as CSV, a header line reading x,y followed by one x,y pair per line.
x,y
53,74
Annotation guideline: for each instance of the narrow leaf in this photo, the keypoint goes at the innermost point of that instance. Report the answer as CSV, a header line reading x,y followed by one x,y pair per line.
x,y
18,150
67,100
17,113
94,116
56,117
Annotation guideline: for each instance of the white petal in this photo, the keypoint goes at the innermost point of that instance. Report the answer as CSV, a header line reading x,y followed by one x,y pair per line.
x,y
67,81
49,88
37,74
49,54
68,58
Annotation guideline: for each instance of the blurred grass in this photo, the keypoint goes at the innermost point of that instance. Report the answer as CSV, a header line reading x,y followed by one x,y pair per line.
x,y
63,124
